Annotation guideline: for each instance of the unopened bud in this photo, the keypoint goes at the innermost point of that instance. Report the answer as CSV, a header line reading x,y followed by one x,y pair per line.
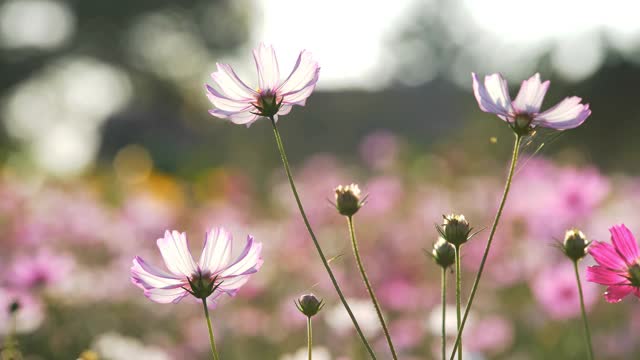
x,y
575,244
455,229
444,253
348,199
309,304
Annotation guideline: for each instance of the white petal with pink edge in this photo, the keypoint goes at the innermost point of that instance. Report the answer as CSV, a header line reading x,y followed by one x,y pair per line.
x,y
493,96
248,262
567,114
175,253
148,276
267,65
217,250
230,84
166,295
223,103
304,73
531,94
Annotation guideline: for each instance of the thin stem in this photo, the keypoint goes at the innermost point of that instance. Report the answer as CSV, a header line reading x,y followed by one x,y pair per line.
x,y
365,278
285,162
214,351
309,336
507,186
587,333
458,298
11,344
444,313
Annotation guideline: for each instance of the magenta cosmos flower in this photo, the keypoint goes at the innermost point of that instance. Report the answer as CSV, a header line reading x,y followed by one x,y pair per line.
x,y
211,277
618,264
241,104
523,113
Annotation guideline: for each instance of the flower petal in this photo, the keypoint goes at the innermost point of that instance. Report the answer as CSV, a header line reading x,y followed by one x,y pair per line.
x,y
147,276
305,73
231,85
493,96
239,117
247,263
625,243
299,97
615,293
166,295
176,255
217,250
284,109
233,283
567,114
531,94
267,65
607,256
223,103
212,300
604,276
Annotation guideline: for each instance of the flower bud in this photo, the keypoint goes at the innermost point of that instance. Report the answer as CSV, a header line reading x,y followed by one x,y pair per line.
x,y
348,199
575,244
444,253
455,229
309,304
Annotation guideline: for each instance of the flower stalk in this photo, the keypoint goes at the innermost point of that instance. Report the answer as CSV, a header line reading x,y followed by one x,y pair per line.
x,y
365,278
444,313
309,338
459,299
474,289
323,258
214,351
587,332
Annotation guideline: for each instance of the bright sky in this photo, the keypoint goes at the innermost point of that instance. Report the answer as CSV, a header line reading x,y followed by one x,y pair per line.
x,y
351,38
346,36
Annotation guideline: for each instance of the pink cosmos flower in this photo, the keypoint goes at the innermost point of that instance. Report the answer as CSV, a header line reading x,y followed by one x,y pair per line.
x,y
211,277
523,113
41,270
555,289
241,104
618,264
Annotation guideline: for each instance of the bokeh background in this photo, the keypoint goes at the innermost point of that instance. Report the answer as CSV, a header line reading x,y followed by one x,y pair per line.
x,y
106,142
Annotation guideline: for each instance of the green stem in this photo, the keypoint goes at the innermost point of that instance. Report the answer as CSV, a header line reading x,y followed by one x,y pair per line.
x,y
214,351
458,298
285,162
309,336
587,333
444,313
507,186
365,278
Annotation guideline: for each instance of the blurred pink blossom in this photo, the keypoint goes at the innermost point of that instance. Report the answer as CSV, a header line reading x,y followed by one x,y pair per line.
x,y
556,290
379,150
28,316
42,269
490,335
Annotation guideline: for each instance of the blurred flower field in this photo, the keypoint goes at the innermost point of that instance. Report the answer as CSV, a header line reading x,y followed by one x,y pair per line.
x,y
67,250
